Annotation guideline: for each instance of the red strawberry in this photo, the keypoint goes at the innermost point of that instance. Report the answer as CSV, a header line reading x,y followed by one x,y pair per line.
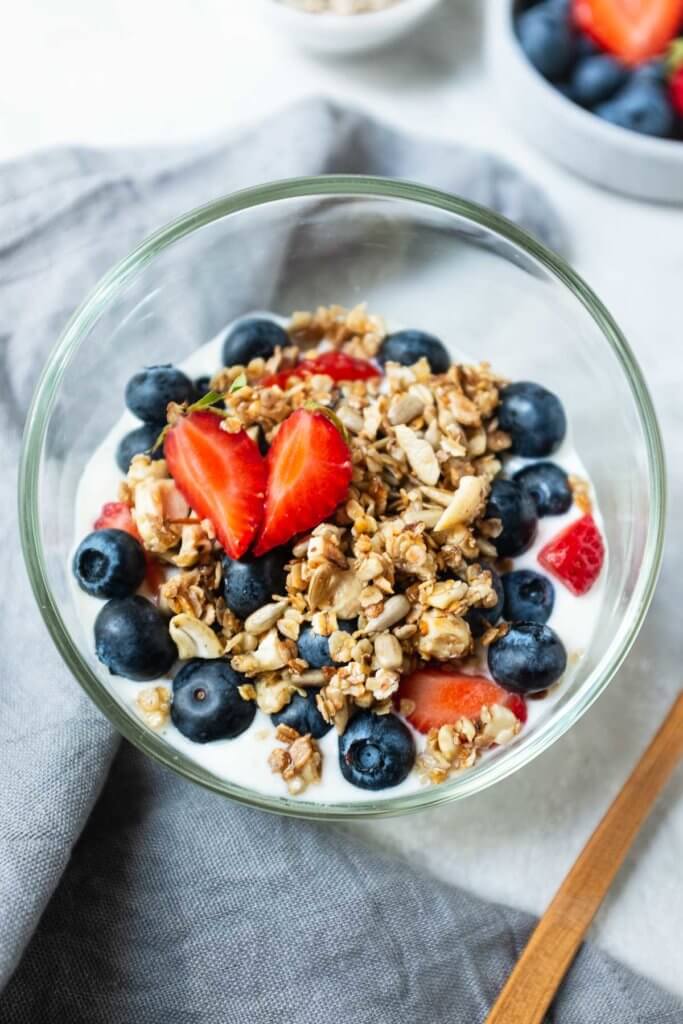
x,y
116,515
442,696
575,555
635,30
676,91
336,365
222,477
309,472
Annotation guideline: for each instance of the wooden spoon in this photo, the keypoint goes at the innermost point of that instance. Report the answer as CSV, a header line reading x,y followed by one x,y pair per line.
x,y
539,971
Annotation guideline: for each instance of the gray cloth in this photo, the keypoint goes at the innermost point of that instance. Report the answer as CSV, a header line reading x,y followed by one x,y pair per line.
x,y
126,894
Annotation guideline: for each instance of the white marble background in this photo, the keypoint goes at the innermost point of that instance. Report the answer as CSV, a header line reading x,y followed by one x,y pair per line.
x,y
122,72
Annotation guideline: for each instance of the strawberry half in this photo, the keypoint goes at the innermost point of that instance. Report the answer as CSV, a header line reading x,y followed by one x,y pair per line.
x,y
116,515
576,555
222,477
337,365
634,30
441,697
309,472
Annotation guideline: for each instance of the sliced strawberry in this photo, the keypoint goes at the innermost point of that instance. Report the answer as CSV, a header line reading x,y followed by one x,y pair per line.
x,y
676,91
575,556
116,515
634,30
337,365
222,477
442,696
309,472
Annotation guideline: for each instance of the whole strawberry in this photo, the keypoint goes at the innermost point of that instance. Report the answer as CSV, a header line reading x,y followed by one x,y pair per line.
x,y
675,66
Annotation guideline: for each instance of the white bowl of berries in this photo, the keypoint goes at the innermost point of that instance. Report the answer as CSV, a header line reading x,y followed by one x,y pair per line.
x,y
597,89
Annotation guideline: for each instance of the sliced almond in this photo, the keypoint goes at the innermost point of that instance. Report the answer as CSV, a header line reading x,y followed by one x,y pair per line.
x,y
466,503
420,455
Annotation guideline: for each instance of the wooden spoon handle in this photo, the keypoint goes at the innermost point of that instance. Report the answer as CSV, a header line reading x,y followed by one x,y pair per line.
x,y
538,973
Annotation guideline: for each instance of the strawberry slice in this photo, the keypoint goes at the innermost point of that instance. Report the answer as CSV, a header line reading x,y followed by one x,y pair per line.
x,y
442,696
634,30
337,365
222,477
575,556
309,472
116,515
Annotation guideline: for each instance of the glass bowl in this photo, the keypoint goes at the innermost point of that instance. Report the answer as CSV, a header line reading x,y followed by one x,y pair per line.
x,y
420,257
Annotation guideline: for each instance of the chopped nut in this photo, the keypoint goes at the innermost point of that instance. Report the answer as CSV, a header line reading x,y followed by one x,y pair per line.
x,y
193,638
388,652
420,455
467,503
395,609
265,618
154,706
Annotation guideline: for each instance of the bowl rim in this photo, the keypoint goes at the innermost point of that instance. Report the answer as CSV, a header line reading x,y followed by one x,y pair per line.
x,y
400,11
644,145
342,186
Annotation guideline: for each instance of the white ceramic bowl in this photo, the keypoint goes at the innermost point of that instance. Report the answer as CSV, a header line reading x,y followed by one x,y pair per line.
x,y
340,34
610,156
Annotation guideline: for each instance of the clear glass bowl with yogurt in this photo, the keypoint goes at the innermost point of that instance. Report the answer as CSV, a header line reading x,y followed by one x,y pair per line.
x,y
423,259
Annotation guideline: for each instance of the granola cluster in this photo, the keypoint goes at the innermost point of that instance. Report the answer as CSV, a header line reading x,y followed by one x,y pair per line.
x,y
405,555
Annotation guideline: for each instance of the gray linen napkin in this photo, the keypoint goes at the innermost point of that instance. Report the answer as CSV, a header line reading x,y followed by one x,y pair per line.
x,y
127,894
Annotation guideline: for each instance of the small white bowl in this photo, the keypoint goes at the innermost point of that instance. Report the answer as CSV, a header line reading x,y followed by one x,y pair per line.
x,y
353,33
606,154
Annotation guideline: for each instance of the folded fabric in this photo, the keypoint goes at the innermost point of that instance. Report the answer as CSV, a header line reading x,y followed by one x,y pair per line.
x,y
127,894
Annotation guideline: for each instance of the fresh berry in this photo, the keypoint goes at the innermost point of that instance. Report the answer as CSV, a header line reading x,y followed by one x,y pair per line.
x,y
315,649
116,515
441,696
149,392
407,347
517,705
337,365
596,79
546,35
137,441
676,90
548,485
641,106
256,338
206,702
302,714
575,556
109,563
376,751
652,70
132,639
529,596
249,583
528,659
480,619
222,476
534,418
309,472
634,30
516,510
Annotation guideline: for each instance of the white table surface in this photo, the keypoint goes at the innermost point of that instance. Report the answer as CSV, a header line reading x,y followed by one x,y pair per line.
x,y
119,72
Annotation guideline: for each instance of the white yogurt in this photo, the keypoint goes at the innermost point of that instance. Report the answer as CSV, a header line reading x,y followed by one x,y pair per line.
x,y
244,761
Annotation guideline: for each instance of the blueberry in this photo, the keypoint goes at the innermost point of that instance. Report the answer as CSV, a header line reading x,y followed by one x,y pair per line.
x,y
206,702
529,596
515,507
548,39
585,46
596,79
249,583
406,347
109,563
534,418
376,751
132,639
253,339
142,439
315,649
480,619
548,485
149,392
641,106
653,71
528,659
302,714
